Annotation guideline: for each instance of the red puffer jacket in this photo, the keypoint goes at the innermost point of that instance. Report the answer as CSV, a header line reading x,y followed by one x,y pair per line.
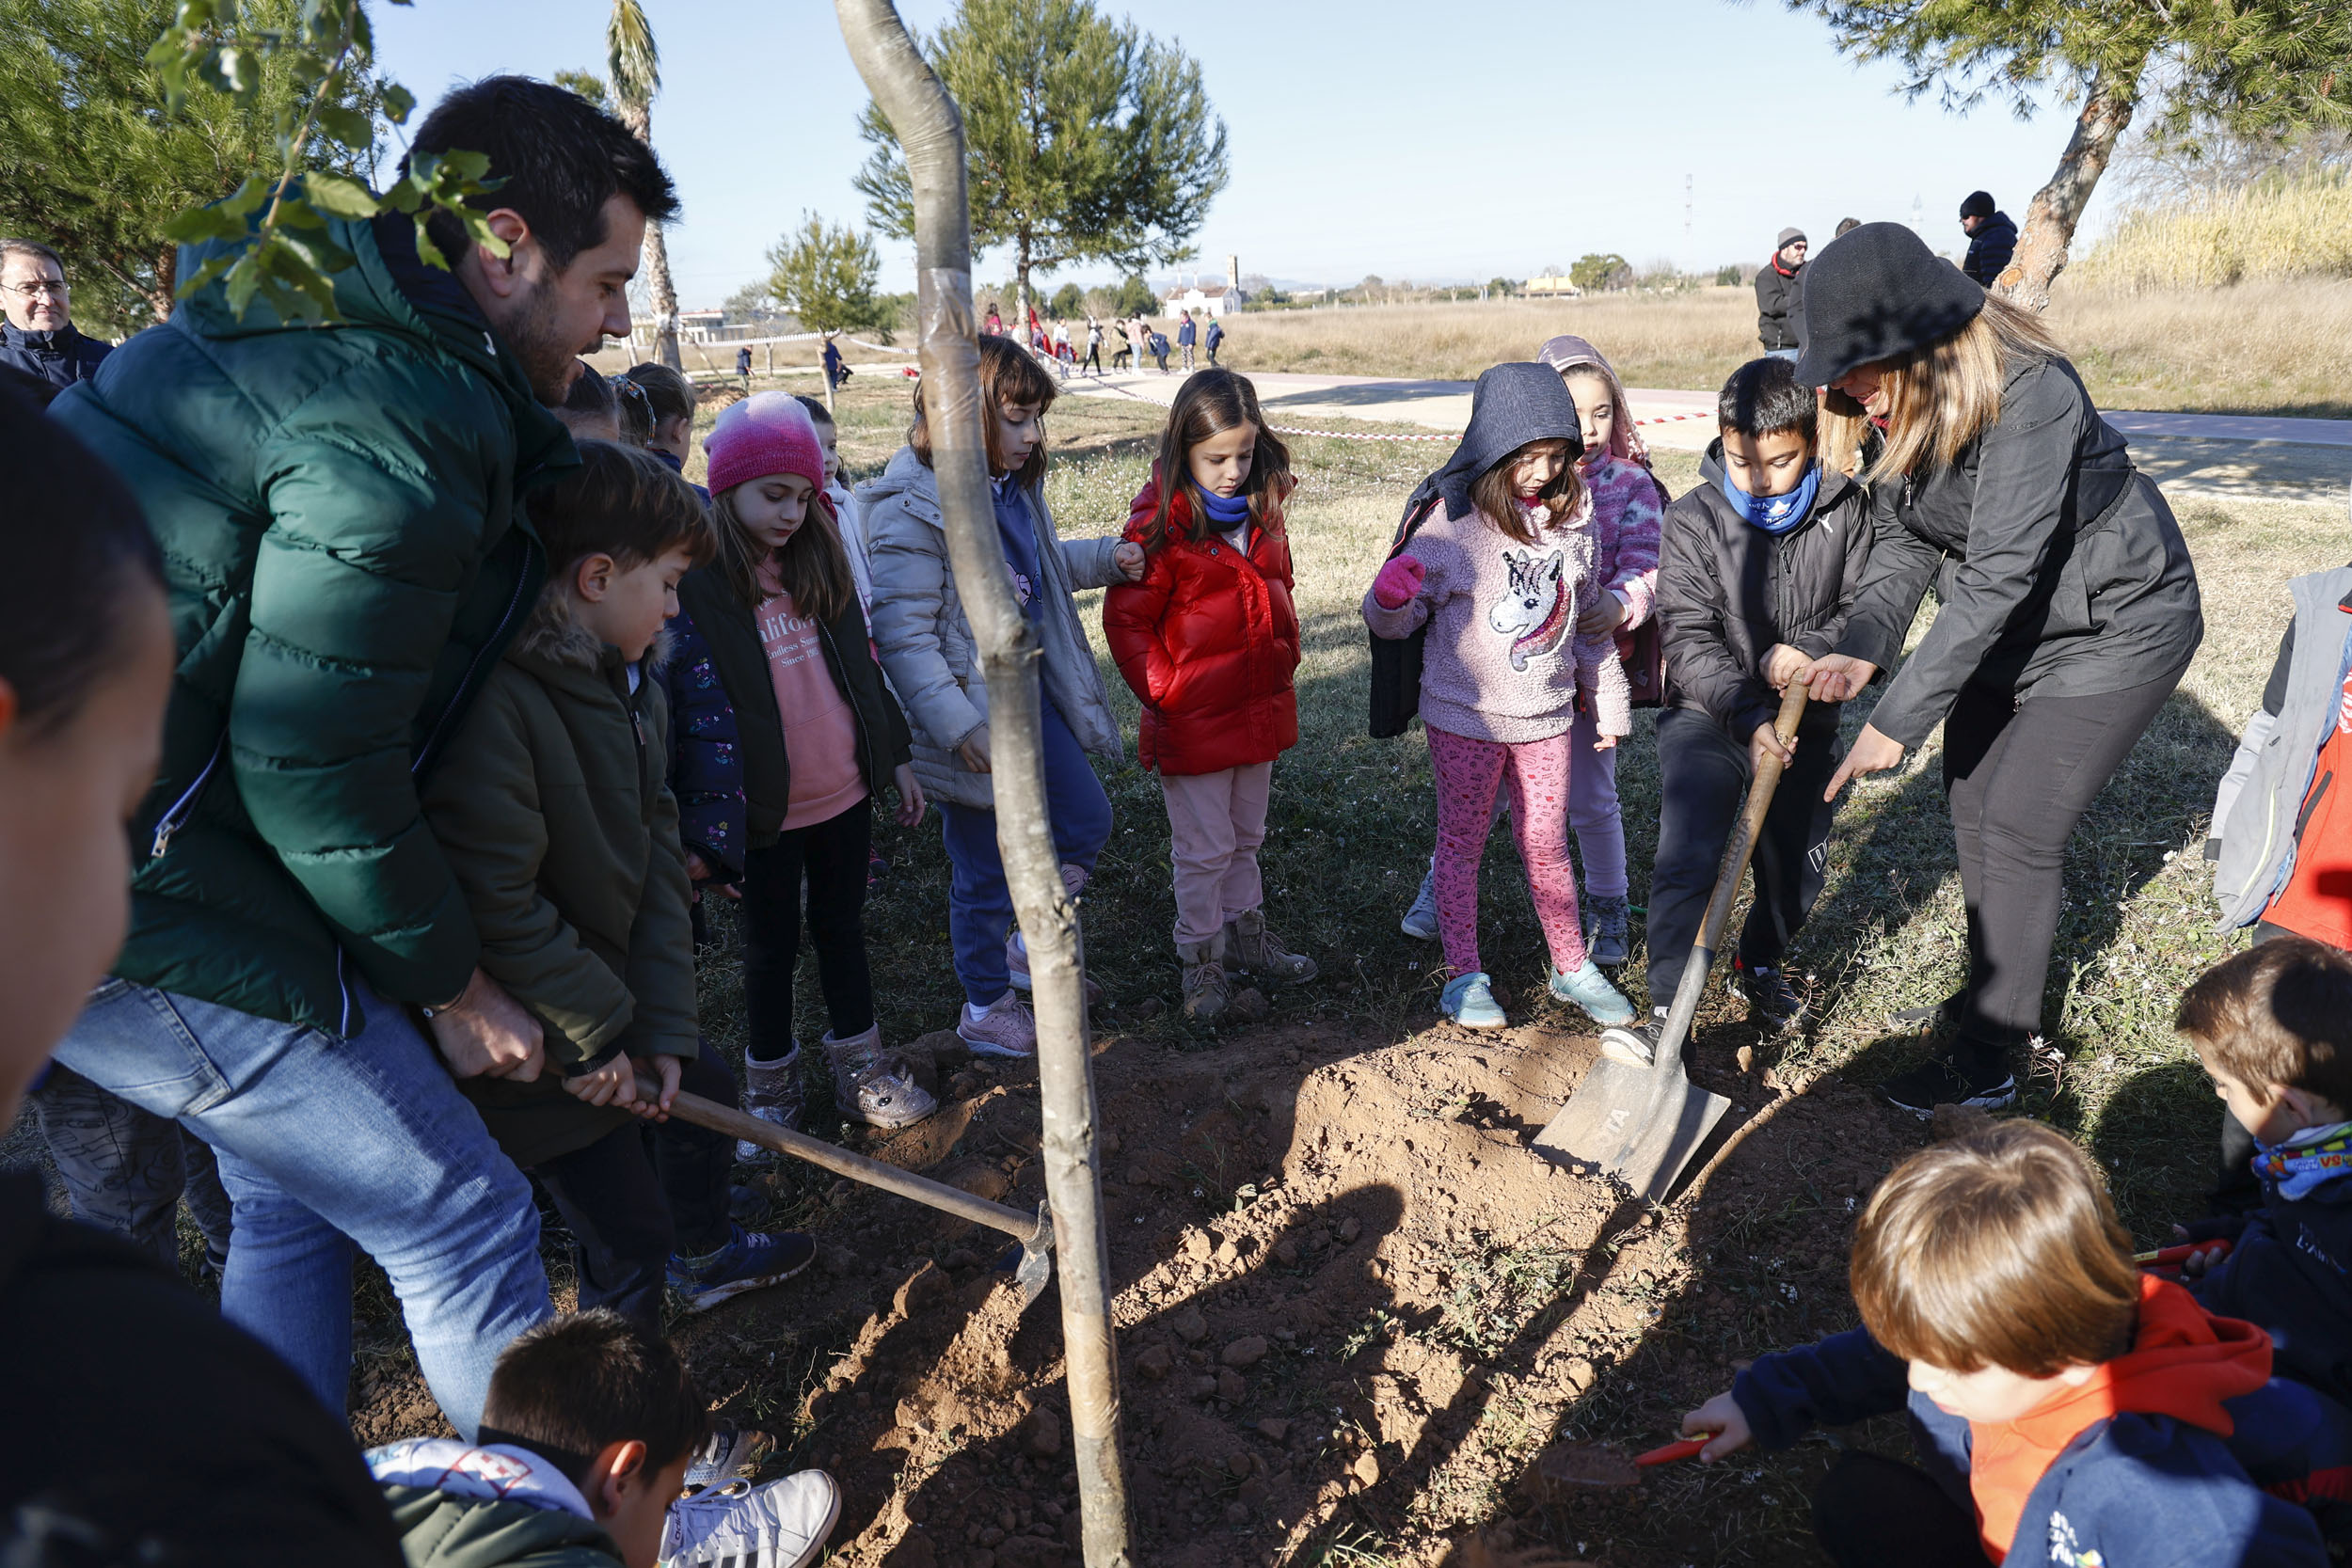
x,y
1208,640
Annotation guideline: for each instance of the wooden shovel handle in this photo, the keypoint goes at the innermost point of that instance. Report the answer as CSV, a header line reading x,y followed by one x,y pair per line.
x,y
857,1167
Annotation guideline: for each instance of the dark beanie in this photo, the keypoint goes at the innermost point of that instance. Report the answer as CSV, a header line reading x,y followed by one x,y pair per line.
x,y
1877,293
1979,205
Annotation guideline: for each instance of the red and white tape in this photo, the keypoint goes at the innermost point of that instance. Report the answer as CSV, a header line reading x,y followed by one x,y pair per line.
x,y
1361,435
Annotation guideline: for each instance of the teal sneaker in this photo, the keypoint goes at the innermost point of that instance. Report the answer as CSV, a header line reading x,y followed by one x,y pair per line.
x,y
1590,990
1468,1000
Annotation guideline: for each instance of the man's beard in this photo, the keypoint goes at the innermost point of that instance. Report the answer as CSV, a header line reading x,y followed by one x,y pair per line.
x,y
534,338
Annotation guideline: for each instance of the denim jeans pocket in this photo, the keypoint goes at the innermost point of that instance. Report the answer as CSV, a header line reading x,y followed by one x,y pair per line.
x,y
132,1041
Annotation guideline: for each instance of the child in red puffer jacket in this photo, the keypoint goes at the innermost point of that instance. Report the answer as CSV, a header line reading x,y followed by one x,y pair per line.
x,y
1208,639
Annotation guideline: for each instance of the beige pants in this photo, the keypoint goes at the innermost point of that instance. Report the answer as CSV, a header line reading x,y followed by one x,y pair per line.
x,y
1215,822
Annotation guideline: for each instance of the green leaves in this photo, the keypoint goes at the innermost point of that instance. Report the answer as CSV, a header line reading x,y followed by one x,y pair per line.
x,y
825,275
276,223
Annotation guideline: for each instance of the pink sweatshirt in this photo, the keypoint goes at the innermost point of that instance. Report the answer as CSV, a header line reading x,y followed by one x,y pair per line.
x,y
1502,661
1626,522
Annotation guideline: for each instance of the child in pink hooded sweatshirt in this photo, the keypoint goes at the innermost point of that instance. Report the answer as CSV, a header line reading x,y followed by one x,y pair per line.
x,y
1494,568
1627,505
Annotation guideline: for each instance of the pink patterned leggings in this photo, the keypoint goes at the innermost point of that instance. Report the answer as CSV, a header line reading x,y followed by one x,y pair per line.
x,y
1537,774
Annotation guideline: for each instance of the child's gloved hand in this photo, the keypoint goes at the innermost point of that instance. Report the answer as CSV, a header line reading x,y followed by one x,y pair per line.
x,y
1398,581
1722,1417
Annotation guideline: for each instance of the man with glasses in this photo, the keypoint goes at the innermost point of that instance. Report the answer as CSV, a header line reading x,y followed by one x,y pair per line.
x,y
37,338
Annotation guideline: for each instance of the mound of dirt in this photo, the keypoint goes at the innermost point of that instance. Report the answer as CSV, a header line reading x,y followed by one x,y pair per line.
x,y
1349,1298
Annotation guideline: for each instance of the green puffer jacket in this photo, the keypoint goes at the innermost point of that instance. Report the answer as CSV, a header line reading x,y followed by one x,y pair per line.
x,y
440,1531
554,809
346,558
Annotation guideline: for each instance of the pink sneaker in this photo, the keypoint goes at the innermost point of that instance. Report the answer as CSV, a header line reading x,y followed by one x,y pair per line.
x,y
1007,1029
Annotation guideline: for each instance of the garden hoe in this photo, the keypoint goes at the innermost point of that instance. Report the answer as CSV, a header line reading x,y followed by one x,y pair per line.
x,y
1642,1124
1035,1232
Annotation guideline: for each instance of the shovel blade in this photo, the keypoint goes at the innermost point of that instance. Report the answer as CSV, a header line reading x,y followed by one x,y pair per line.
x,y
1622,1122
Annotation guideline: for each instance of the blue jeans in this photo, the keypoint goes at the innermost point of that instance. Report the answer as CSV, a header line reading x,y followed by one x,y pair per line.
x,y
323,1142
979,906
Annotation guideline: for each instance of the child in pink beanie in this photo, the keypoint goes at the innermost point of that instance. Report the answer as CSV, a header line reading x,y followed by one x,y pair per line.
x,y
786,738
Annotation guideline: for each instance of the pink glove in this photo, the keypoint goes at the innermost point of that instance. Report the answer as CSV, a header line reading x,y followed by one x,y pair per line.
x,y
1398,581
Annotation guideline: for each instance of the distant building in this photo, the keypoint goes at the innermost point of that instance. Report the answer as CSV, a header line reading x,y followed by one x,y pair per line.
x,y
1215,299
1552,288
700,327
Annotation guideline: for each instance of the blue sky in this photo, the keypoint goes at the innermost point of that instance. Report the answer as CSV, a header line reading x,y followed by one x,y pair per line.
x,y
1464,140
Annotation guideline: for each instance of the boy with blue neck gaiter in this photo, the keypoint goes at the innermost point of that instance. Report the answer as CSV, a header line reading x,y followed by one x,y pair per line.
x,y
1756,569
2272,1027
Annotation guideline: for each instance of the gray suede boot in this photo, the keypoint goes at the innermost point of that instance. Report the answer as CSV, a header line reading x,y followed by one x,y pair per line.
x,y
1206,989
772,1092
869,1087
1257,952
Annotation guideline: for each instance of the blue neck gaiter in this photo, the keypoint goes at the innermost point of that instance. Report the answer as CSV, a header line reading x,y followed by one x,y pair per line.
x,y
1227,515
1773,514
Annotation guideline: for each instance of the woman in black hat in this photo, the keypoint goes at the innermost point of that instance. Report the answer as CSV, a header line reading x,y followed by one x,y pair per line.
x,y
2068,605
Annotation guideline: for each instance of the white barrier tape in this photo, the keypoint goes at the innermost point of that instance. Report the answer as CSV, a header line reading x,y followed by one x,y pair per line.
x,y
1361,435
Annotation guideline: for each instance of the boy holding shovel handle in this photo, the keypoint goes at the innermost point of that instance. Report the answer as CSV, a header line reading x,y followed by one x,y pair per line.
x,y
1756,569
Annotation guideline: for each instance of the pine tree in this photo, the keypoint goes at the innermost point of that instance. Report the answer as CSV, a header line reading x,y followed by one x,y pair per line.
x,y
2265,66
1087,140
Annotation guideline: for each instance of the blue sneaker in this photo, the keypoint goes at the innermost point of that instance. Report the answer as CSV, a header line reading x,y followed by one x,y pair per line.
x,y
1468,1000
1420,921
752,1260
1590,990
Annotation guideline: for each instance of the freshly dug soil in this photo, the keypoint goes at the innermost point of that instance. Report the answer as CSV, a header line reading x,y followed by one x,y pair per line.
x,y
1352,1304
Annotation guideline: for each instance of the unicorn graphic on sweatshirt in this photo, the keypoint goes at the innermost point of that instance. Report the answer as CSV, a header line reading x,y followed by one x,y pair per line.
x,y
1533,612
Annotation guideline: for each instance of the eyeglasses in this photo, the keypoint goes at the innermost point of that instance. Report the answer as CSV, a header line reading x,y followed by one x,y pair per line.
x,y
39,286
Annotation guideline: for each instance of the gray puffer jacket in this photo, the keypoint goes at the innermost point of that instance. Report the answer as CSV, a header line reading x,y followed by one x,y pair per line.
x,y
926,642
2259,812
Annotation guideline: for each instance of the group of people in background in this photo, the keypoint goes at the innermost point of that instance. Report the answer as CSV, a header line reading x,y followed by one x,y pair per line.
x,y
1780,289
1134,340
440,702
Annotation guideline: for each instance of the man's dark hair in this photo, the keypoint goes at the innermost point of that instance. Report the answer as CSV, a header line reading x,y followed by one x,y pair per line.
x,y
1845,227
78,554
1764,397
13,247
571,1385
562,158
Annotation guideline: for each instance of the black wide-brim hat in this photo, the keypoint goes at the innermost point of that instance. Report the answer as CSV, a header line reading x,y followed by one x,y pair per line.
x,y
1876,293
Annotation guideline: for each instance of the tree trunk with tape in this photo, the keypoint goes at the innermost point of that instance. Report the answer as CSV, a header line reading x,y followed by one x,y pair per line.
x,y
931,133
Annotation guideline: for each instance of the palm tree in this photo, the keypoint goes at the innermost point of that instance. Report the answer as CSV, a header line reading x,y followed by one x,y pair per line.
x,y
633,71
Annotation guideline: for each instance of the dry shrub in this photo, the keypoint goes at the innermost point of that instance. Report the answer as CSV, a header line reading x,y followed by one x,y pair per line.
x,y
2273,229
2264,347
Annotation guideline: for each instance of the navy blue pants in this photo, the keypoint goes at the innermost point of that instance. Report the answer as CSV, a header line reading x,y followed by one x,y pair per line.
x,y
979,906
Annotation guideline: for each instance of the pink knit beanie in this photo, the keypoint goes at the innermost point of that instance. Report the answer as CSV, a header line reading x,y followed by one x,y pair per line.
x,y
768,433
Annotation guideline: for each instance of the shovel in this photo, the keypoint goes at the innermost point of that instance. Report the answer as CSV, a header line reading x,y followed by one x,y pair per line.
x,y
1572,1464
1642,1124
1035,1232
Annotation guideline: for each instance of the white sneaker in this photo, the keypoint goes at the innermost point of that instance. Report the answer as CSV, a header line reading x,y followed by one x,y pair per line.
x,y
781,1524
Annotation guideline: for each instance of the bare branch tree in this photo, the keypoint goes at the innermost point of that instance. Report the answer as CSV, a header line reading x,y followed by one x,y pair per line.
x,y
929,130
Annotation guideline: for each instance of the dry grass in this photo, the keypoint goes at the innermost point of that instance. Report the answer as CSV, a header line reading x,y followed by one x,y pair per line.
x,y
2273,229
2254,348
1692,339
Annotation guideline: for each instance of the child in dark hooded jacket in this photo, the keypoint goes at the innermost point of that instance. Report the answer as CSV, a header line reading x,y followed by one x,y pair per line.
x,y
2068,1411
2273,1027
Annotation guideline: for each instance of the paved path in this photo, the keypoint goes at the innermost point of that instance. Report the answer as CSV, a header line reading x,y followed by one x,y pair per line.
x,y
2222,454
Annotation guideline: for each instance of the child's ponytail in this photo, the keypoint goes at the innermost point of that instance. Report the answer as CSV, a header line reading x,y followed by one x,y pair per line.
x,y
1210,404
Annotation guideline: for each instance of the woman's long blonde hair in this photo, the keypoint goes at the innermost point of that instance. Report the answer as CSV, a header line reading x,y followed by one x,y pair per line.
x,y
1945,394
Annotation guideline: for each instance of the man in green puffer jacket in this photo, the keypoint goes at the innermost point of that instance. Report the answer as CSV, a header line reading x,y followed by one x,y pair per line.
x,y
339,510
